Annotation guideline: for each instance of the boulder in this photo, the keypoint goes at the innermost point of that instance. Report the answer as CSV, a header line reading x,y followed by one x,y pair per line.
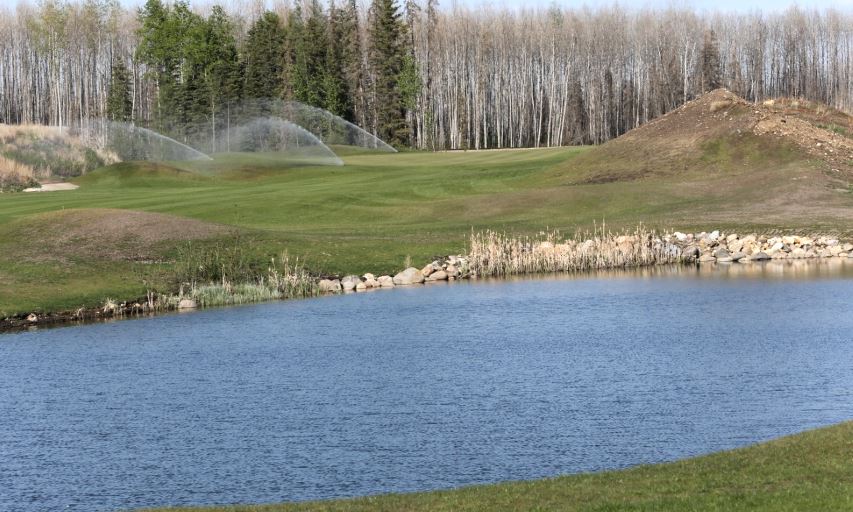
x,y
369,277
408,277
371,283
385,282
737,256
360,287
707,258
428,269
721,253
439,275
32,318
349,283
452,271
798,253
329,285
760,256
847,247
187,304
681,237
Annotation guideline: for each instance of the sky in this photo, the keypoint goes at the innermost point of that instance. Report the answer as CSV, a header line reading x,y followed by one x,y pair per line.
x,y
710,5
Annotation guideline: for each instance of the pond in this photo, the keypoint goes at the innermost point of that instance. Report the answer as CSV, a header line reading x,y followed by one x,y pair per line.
x,y
422,388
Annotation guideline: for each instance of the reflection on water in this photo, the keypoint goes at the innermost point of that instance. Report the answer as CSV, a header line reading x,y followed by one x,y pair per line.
x,y
828,268
422,387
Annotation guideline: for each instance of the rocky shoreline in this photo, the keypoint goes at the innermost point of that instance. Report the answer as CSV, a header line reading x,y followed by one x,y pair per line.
x,y
495,255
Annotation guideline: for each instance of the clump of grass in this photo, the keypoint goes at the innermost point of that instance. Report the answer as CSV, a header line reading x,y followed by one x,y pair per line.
x,y
49,152
15,176
498,254
229,274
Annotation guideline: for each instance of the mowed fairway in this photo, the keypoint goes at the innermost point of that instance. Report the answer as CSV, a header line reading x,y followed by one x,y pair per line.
x,y
367,216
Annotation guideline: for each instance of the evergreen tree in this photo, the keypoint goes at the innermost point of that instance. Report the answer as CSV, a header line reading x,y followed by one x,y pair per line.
x,y
336,96
264,57
222,70
387,59
119,102
710,62
349,37
309,44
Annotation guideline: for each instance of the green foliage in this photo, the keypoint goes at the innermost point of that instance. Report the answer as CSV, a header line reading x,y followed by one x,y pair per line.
x,y
387,58
264,57
119,101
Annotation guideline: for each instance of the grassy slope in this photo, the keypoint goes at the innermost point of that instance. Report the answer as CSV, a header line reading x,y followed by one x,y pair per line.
x,y
808,471
369,215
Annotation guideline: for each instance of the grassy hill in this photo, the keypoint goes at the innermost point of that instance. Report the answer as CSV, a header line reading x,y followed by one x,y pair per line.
x,y
709,165
808,471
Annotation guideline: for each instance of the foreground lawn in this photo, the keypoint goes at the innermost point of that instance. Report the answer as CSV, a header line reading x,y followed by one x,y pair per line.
x,y
370,215
805,472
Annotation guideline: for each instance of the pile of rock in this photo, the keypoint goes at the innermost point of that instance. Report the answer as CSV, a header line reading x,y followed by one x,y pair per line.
x,y
448,269
716,247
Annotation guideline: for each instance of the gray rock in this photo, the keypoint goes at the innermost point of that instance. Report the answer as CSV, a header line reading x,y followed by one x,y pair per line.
x,y
385,282
738,256
439,275
349,283
761,256
329,285
187,304
408,277
707,258
722,253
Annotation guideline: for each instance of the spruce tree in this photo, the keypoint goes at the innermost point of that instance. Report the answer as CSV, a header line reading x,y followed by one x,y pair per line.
x,y
352,65
119,102
264,56
710,61
336,96
387,59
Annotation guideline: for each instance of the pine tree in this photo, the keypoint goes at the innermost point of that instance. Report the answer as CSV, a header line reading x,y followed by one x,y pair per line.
x,y
264,56
387,59
119,103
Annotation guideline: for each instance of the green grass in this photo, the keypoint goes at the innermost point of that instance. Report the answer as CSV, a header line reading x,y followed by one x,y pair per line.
x,y
804,472
373,213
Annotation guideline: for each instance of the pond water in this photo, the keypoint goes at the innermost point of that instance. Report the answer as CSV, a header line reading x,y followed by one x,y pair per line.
x,y
422,388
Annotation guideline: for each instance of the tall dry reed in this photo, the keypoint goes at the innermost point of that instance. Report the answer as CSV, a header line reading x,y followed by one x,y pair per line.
x,y
497,254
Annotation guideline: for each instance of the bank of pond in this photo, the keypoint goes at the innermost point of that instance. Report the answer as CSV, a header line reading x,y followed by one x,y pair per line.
x,y
446,386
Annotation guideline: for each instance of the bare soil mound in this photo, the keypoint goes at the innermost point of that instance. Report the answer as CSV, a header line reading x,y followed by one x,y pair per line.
x,y
721,132
107,234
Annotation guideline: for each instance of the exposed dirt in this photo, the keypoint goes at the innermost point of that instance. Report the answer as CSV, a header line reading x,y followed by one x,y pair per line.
x,y
106,234
720,132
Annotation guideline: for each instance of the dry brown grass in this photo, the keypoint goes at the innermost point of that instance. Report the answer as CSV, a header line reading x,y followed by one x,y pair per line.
x,y
497,254
107,234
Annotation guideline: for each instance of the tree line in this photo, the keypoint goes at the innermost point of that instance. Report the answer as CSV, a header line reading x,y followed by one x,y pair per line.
x,y
412,73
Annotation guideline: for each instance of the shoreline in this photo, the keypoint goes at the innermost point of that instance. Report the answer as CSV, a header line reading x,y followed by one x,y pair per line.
x,y
494,255
490,255
775,474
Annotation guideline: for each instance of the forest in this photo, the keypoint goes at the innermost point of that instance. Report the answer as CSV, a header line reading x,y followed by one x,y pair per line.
x,y
415,73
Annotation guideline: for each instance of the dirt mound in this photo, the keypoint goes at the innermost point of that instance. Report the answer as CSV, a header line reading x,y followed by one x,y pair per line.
x,y
107,234
720,132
